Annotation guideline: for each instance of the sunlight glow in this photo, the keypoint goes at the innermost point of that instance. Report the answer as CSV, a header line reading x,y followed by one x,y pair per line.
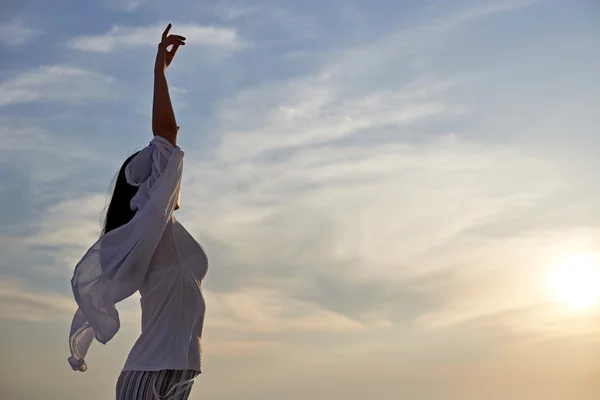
x,y
576,281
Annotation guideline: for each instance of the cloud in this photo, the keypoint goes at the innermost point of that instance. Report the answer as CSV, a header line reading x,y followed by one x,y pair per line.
x,y
511,290
19,303
347,186
127,5
15,33
391,205
45,160
357,188
271,311
44,172
350,227
356,205
370,87
21,135
70,226
231,10
413,41
314,112
55,83
493,7
120,38
485,9
347,192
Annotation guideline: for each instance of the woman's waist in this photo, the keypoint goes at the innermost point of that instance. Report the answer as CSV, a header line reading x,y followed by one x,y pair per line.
x,y
173,329
174,308
165,283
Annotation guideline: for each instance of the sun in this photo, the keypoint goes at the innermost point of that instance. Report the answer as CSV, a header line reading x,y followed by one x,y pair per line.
x,y
575,281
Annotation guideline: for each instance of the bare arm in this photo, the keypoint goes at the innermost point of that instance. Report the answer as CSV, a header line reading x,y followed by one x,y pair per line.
x,y
163,116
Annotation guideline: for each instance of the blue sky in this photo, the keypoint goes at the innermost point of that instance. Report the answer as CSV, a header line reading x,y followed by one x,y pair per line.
x,y
386,191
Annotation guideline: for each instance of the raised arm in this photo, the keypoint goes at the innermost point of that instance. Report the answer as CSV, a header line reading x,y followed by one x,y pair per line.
x,y
163,117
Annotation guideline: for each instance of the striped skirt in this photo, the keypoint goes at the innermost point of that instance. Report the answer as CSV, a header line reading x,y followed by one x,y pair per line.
x,y
155,385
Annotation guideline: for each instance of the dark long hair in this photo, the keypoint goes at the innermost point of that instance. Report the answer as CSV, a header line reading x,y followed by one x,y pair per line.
x,y
119,213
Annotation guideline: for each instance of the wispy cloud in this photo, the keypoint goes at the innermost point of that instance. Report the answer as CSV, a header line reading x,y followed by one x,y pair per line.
x,y
70,227
22,303
55,83
120,37
16,33
352,92
127,5
483,9
333,169
394,197
43,157
336,180
325,149
271,311
231,10
17,303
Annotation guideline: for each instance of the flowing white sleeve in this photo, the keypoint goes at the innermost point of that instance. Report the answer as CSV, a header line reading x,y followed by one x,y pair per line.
x,y
115,266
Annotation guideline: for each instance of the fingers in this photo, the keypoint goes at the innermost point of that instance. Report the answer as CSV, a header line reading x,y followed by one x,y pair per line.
x,y
166,32
173,50
174,38
175,42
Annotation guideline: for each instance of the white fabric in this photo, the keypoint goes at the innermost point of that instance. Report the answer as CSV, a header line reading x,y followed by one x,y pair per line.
x,y
152,254
172,393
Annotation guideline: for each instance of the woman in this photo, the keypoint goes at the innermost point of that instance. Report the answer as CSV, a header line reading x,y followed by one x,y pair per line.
x,y
144,248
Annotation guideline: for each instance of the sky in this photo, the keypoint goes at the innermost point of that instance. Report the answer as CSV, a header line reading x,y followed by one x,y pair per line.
x,y
399,199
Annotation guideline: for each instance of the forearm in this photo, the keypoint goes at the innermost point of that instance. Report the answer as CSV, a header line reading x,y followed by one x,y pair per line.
x,y
163,116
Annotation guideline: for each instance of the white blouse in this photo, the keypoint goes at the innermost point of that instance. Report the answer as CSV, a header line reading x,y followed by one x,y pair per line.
x,y
152,254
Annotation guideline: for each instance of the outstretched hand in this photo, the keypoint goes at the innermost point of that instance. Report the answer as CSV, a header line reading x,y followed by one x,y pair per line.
x,y
164,57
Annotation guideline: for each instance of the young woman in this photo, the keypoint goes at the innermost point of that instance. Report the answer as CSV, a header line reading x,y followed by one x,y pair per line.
x,y
144,248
